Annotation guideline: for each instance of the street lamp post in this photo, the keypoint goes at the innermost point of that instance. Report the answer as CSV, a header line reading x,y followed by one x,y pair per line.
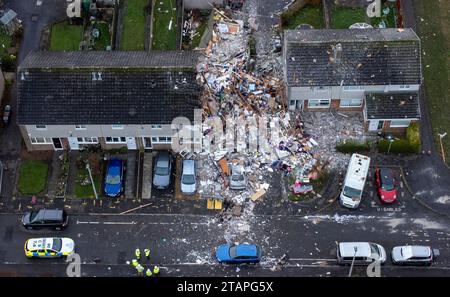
x,y
391,140
92,181
442,145
353,261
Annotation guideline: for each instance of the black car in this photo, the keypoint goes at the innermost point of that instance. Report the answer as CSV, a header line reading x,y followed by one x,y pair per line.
x,y
45,218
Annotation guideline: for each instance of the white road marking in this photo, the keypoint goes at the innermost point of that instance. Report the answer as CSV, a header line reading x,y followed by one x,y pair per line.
x,y
81,222
120,223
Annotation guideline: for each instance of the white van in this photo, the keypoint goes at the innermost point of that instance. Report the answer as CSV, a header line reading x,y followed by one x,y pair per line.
x,y
360,253
354,181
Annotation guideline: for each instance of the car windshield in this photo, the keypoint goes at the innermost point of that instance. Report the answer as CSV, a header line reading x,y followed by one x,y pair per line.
x,y
351,192
237,177
33,215
162,171
113,179
374,250
233,252
57,244
387,182
188,179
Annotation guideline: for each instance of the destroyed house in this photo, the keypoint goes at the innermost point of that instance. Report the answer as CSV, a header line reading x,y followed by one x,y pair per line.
x,y
373,71
68,100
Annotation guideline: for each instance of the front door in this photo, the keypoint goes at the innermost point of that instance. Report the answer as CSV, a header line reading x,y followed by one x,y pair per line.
x,y
57,144
147,142
131,143
373,125
73,143
299,104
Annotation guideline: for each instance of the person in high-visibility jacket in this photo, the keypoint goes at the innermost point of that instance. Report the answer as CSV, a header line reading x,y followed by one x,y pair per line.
x,y
134,262
140,269
156,270
147,253
137,253
148,272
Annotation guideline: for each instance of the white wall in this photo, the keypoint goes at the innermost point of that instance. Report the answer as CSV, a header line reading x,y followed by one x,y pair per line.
x,y
201,4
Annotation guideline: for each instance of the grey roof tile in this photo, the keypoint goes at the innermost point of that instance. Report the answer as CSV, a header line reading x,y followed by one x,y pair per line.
x,y
392,105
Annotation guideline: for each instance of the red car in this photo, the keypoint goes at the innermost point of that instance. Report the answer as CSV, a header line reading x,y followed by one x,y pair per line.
x,y
386,186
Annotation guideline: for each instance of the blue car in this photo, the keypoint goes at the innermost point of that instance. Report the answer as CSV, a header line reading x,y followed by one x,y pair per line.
x,y
238,254
114,178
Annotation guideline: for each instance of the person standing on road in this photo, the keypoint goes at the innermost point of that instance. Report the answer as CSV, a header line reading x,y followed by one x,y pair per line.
x,y
148,272
137,253
140,269
156,270
134,262
147,253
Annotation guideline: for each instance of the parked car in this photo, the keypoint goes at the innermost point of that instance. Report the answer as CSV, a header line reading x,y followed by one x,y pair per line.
x,y
114,179
51,247
45,218
413,255
363,253
188,177
238,180
162,171
238,254
7,114
386,185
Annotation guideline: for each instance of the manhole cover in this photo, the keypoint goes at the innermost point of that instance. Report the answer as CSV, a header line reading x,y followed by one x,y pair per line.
x,y
34,17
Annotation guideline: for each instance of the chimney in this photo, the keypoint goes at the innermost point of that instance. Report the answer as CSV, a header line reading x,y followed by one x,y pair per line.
x,y
337,53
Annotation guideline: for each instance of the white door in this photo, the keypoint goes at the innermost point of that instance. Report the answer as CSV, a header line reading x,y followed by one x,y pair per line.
x,y
373,125
131,143
73,143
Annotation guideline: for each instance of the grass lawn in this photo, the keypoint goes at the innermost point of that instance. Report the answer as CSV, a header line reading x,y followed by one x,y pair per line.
x,y
163,38
86,191
104,39
133,33
309,14
388,19
5,42
32,177
317,184
433,21
344,17
65,37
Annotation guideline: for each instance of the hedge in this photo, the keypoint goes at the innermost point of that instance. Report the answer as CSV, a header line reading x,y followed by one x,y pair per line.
x,y
351,146
400,146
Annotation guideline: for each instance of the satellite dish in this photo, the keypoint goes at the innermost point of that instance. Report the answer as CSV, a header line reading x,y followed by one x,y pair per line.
x,y
304,27
360,26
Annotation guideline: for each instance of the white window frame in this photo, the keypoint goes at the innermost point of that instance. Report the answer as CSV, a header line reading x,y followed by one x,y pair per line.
x,y
319,100
40,127
46,140
93,140
350,104
119,140
117,127
80,127
158,127
158,139
400,125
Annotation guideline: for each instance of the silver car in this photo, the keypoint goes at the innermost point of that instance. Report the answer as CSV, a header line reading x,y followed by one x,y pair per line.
x,y
163,169
188,177
238,180
413,255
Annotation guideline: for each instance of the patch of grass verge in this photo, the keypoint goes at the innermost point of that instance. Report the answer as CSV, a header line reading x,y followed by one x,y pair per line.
x,y
65,37
309,14
353,146
32,177
83,187
164,12
104,39
133,33
343,17
318,185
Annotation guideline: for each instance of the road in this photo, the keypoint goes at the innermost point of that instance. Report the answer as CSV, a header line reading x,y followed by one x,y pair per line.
x,y
183,244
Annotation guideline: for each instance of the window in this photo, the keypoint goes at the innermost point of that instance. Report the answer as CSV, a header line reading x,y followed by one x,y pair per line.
x,y
87,140
117,126
353,88
404,87
400,123
319,103
291,102
41,127
351,102
116,140
41,140
162,139
80,127
156,126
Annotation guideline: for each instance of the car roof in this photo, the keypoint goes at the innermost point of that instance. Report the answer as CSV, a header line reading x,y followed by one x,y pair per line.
x,y
115,162
49,214
346,249
416,251
247,250
386,174
238,169
188,166
39,243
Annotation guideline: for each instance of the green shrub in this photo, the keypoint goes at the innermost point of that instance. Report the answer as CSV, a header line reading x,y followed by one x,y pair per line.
x,y
351,146
400,146
413,136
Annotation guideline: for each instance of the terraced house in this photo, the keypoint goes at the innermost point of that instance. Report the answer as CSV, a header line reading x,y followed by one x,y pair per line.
x,y
67,100
373,71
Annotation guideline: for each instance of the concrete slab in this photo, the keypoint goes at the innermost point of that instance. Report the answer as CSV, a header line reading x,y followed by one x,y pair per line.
x,y
147,176
130,181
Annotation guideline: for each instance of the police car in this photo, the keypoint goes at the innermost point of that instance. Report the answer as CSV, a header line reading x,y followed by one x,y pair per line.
x,y
51,247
